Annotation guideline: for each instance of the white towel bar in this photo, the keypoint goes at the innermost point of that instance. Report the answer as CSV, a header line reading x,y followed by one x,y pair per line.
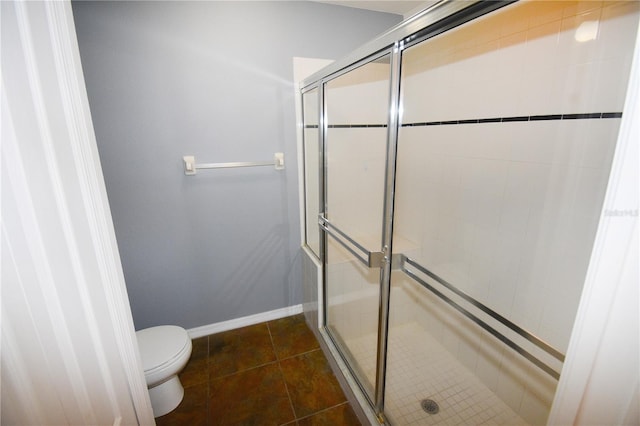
x,y
190,165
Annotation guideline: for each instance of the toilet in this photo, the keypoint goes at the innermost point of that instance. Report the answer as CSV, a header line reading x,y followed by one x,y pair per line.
x,y
164,350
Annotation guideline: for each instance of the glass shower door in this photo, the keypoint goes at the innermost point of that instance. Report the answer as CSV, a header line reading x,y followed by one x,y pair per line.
x,y
355,149
508,131
311,149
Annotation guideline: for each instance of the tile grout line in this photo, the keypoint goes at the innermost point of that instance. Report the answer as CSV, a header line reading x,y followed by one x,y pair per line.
x,y
207,406
346,402
245,370
300,354
286,387
277,359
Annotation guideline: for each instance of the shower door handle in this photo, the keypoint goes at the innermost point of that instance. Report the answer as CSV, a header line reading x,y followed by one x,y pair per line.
x,y
371,259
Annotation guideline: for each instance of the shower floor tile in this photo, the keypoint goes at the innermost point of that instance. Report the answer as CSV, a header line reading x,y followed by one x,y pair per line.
x,y
418,368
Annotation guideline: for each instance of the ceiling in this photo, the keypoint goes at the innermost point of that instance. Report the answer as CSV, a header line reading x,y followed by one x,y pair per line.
x,y
399,7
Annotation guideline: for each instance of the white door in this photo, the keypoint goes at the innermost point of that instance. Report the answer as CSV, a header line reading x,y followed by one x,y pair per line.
x,y
69,354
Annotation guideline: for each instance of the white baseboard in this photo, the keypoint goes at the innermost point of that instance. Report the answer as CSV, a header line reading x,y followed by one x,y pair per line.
x,y
218,327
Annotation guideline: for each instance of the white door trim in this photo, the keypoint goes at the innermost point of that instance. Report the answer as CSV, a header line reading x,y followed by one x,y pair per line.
x,y
66,319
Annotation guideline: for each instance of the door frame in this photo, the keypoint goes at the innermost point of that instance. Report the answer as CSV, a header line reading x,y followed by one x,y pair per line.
x,y
61,259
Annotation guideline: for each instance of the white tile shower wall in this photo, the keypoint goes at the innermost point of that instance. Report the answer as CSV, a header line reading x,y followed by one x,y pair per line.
x,y
311,172
360,96
540,69
356,156
355,176
507,211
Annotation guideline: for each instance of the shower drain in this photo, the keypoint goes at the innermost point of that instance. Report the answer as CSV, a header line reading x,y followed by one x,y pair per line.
x,y
430,406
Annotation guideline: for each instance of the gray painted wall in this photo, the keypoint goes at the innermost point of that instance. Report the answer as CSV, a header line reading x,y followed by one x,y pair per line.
x,y
214,80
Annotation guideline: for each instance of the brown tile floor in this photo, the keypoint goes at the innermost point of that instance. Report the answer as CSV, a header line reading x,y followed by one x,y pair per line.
x,y
273,373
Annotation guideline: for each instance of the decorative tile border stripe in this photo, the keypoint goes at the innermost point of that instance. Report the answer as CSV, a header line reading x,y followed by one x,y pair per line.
x,y
356,126
584,116
596,115
347,126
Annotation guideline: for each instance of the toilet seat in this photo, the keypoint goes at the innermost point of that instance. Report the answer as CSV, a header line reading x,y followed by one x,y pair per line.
x,y
164,351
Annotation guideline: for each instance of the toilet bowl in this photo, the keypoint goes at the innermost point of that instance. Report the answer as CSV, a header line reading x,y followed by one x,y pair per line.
x,y
164,350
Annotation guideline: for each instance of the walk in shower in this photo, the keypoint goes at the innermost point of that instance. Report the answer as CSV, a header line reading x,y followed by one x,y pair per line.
x,y
455,170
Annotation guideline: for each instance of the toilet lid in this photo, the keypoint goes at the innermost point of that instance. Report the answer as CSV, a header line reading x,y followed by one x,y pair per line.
x,y
161,344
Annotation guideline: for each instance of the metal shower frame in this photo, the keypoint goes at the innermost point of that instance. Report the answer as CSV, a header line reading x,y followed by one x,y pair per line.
x,y
439,18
